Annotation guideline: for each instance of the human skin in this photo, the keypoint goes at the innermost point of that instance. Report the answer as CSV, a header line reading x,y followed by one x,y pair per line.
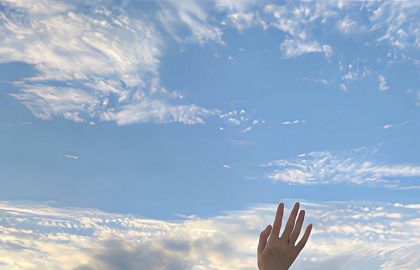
x,y
279,252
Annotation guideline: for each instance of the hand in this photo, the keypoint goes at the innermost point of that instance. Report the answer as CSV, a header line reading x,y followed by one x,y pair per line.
x,y
278,253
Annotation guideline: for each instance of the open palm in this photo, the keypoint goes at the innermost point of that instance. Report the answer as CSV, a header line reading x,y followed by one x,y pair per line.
x,y
279,252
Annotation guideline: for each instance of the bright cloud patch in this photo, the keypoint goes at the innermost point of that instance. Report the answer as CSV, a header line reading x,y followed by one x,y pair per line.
x,y
102,61
346,235
95,62
355,166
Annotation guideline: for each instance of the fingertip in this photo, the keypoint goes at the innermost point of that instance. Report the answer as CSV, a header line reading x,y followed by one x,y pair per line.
x,y
310,227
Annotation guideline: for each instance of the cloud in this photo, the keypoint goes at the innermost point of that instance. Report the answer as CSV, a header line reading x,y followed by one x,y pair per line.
x,y
235,117
356,70
71,156
343,87
320,81
48,101
393,21
239,14
159,112
100,62
382,83
248,129
95,62
293,122
294,48
178,16
348,25
387,126
356,166
235,5
366,234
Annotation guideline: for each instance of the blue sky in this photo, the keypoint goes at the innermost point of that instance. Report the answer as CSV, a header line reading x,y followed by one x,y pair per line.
x,y
194,112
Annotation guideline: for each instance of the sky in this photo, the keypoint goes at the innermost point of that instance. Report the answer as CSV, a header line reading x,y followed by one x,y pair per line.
x,y
133,133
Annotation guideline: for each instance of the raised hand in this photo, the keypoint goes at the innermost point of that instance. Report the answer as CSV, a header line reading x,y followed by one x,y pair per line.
x,y
279,252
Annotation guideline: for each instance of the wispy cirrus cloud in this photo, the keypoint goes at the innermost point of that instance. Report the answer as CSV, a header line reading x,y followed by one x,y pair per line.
x,y
101,61
387,126
357,166
71,156
293,122
177,16
389,25
345,234
95,62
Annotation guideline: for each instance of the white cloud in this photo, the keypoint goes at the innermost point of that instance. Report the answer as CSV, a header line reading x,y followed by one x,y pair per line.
x,y
112,56
239,14
328,51
71,156
349,233
47,101
239,118
234,121
235,5
157,111
177,16
242,20
355,71
397,19
382,83
348,25
356,166
387,126
93,63
295,48
248,129
394,20
293,122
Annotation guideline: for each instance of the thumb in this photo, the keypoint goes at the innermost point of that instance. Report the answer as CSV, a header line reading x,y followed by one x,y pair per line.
x,y
263,239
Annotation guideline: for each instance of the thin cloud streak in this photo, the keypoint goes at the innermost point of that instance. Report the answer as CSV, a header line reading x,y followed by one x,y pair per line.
x,y
71,156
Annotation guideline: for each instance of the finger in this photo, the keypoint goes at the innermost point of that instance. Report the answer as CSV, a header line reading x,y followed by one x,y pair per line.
x,y
290,222
298,227
305,237
277,220
263,239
